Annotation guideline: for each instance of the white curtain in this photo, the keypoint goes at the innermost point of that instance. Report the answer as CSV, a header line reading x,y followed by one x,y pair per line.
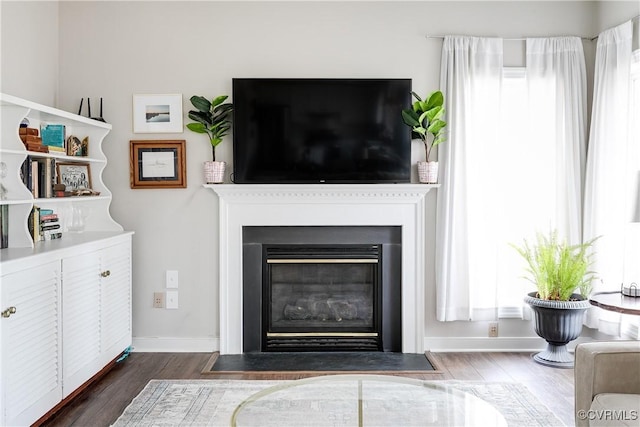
x,y
610,176
470,80
558,103
497,189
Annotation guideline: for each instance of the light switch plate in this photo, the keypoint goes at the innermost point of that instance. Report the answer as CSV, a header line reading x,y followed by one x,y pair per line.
x,y
172,299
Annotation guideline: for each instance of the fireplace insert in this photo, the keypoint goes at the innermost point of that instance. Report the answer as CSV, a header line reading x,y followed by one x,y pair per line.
x,y
321,288
321,297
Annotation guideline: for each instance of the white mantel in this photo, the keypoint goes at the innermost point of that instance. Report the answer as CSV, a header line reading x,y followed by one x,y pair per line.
x,y
243,205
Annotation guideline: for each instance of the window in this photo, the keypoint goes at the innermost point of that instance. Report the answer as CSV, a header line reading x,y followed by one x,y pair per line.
x,y
525,202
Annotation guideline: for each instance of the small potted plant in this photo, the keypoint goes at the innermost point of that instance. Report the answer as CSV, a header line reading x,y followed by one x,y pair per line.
x,y
425,120
214,119
562,278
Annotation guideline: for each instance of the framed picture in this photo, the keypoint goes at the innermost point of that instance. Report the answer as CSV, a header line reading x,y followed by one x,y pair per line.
x,y
157,113
75,176
158,164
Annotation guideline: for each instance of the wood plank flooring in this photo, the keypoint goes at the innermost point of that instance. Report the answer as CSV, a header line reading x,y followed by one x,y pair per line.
x,y
103,402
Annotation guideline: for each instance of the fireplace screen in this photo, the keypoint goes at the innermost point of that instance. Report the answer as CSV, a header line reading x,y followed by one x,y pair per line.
x,y
321,298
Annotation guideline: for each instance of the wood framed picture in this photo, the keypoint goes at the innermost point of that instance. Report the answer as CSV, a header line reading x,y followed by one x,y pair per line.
x,y
158,164
157,113
75,176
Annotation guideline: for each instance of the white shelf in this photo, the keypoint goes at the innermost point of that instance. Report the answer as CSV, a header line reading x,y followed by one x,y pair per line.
x,y
13,153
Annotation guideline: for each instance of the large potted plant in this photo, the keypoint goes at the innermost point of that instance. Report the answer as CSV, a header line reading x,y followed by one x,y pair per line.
x,y
425,120
213,118
562,278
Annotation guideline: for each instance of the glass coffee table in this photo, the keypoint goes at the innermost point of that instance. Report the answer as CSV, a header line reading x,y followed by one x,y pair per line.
x,y
364,400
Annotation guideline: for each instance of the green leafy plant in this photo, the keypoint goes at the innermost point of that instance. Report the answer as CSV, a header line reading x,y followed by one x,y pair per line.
x,y
211,117
557,268
425,120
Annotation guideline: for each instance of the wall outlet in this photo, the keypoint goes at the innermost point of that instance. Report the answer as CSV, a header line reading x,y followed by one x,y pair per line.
x,y
172,279
158,300
493,329
172,299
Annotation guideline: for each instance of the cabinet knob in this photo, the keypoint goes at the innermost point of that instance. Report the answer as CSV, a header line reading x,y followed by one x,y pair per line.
x,y
8,312
106,273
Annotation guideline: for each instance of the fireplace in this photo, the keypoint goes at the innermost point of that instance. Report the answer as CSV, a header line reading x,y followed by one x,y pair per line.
x,y
322,288
243,207
321,298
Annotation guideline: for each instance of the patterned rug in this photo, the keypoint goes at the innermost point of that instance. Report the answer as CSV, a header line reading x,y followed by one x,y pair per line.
x,y
212,402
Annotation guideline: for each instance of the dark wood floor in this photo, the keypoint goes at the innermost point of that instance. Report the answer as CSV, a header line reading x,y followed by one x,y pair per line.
x,y
102,403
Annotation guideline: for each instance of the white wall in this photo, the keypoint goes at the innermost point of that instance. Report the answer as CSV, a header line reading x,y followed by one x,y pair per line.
x,y
29,46
116,49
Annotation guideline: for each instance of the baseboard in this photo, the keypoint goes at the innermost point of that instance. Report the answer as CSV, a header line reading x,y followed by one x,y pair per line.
x,y
175,345
433,344
470,344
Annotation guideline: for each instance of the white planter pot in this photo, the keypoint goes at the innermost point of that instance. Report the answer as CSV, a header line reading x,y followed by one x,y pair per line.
x,y
214,172
428,172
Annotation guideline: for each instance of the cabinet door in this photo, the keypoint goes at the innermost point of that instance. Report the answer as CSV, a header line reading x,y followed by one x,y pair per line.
x,y
80,319
31,343
116,300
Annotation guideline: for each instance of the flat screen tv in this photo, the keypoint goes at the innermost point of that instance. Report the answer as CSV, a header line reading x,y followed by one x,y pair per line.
x,y
320,131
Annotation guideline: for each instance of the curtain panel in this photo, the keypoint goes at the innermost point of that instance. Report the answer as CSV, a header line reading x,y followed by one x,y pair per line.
x,y
557,80
470,80
612,168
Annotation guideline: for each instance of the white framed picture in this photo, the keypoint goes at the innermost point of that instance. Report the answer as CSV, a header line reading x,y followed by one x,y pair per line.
x,y
157,113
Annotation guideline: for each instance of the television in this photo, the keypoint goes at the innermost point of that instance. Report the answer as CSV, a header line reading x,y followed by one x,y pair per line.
x,y
330,131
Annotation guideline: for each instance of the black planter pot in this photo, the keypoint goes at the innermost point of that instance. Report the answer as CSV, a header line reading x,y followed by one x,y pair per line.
x,y
558,322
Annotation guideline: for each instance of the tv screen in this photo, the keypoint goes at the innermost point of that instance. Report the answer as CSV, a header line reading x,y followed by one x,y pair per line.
x,y
320,131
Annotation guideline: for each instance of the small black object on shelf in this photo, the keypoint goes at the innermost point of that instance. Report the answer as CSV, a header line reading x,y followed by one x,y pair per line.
x,y
100,119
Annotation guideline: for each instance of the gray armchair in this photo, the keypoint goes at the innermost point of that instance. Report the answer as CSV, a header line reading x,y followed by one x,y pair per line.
x,y
607,383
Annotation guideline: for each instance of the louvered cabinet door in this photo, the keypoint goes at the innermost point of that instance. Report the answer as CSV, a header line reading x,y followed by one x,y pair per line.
x,y
115,309
80,319
31,343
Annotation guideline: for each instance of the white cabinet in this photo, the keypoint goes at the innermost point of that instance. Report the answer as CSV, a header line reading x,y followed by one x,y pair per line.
x,y
66,303
65,316
96,296
30,364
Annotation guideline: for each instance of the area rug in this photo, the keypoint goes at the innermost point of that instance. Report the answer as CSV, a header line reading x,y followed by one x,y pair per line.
x,y
212,402
325,363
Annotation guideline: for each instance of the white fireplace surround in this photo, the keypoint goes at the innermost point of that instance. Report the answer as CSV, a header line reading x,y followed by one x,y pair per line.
x,y
243,205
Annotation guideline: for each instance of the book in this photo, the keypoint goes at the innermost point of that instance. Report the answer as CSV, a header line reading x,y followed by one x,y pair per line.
x,y
31,138
51,235
4,226
48,217
28,131
38,148
34,224
49,226
53,135
35,173
46,212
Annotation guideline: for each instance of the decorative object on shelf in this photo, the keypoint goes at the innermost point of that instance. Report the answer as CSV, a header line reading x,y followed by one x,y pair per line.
x,y
74,146
425,120
158,164
78,219
213,118
100,119
75,176
558,270
157,113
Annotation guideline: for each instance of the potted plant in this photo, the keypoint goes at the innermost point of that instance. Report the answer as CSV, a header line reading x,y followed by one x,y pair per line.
x,y
562,278
425,120
214,119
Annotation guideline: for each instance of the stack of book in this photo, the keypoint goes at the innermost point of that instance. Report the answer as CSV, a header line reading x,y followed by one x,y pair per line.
x,y
31,140
38,175
44,224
